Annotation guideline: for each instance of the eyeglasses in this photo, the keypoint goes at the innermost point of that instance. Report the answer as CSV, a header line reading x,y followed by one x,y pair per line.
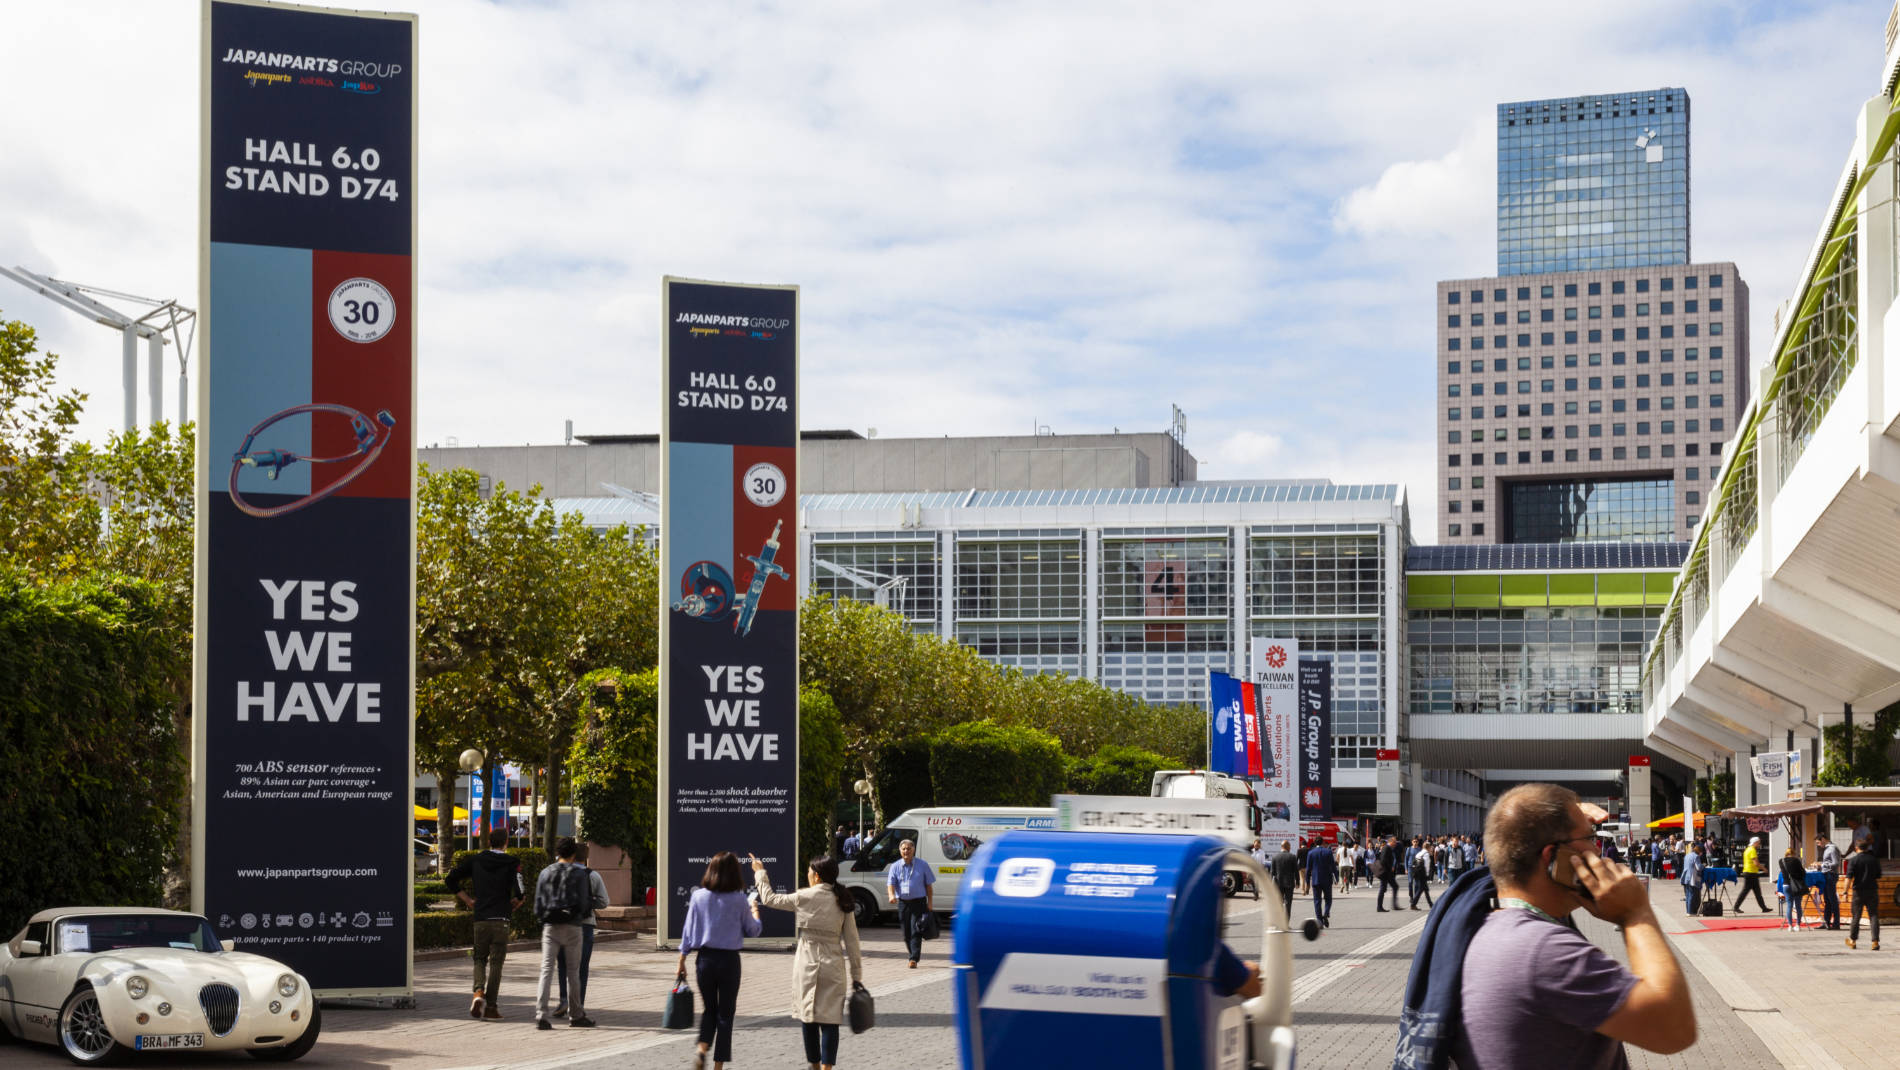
x,y
1591,840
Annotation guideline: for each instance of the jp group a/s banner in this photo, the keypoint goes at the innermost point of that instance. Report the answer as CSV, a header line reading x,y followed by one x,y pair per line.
x,y
728,589
1275,672
304,599
1315,742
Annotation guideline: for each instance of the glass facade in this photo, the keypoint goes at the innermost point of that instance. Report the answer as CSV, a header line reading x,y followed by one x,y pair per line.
x,y
899,570
1540,659
1590,510
1593,182
1325,590
1019,598
1166,611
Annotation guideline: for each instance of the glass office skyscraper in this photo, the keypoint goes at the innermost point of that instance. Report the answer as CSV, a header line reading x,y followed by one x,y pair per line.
x,y
1593,182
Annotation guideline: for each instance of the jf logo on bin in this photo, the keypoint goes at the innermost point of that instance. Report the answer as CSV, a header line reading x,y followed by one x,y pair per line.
x,y
1098,949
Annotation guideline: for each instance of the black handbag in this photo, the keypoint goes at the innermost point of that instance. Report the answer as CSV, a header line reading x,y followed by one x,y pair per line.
x,y
927,926
860,1009
679,1006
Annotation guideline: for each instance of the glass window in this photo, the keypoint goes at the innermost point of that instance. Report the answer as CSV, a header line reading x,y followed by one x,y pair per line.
x,y
1596,382
1314,575
1451,298
1596,288
853,565
1547,408
1456,506
1454,389
1477,530
1523,364
1715,328
1570,289
1688,282
1596,453
1477,297
1545,292
1642,286
1455,530
1616,286
1019,579
1523,293
1498,294
1523,386
1570,313
1546,361
1642,427
1452,344
1454,413
1715,305
1667,283
1596,312
1570,455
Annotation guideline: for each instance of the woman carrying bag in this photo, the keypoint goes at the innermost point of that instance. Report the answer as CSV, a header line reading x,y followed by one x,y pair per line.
x,y
827,943
718,919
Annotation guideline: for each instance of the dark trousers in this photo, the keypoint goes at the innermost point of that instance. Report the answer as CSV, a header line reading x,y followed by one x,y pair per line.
x,y
1692,898
1830,903
1421,886
909,915
821,1043
1286,900
1870,904
491,948
1751,882
718,972
1323,901
1388,880
587,955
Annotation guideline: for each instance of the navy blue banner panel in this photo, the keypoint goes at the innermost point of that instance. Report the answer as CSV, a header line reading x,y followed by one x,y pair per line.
x,y
1314,740
303,756
729,589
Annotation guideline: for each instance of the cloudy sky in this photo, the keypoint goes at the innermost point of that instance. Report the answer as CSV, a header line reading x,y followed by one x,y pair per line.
x,y
1003,216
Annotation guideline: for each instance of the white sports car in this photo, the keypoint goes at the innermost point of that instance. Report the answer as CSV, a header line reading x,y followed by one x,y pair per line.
x,y
102,981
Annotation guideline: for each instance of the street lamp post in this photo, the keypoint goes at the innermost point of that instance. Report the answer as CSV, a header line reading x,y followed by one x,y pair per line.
x,y
471,763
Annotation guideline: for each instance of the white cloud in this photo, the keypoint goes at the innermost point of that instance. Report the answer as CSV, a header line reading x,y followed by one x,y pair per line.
x,y
1452,196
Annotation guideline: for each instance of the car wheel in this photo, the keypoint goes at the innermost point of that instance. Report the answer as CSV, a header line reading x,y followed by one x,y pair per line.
x,y
866,913
296,1049
82,1030
1229,883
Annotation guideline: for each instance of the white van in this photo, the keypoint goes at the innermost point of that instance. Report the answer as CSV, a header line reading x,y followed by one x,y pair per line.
x,y
947,837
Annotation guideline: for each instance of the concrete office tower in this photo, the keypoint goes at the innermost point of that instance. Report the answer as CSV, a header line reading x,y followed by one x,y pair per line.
x,y
1593,182
1587,406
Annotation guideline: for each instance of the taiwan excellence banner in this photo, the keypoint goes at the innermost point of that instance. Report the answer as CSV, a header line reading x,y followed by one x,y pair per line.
x,y
1275,679
729,553
1316,740
304,601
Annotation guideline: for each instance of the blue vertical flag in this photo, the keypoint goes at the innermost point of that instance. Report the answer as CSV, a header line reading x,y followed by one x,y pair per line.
x,y
1227,732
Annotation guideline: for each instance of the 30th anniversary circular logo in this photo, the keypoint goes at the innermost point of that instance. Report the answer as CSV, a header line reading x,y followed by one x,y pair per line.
x,y
362,310
764,485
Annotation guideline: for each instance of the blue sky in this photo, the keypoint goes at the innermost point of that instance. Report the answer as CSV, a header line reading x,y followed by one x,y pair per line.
x,y
1001,215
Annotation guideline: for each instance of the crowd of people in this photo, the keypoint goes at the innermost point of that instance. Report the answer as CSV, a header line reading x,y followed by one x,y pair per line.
x,y
1318,868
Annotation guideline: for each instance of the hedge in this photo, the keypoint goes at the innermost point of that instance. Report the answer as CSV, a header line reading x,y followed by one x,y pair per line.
x,y
1116,770
982,763
533,861
903,778
611,768
820,771
444,928
91,773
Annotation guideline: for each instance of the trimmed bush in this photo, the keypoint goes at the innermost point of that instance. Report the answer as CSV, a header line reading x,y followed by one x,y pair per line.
x,y
90,770
820,768
533,861
444,928
1116,770
903,777
982,763
611,768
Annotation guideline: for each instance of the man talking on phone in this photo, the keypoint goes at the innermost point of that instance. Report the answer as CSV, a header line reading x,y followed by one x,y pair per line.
x,y
1534,992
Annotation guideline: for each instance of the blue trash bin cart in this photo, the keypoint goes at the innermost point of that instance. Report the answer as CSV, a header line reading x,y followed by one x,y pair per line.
x,y
1098,950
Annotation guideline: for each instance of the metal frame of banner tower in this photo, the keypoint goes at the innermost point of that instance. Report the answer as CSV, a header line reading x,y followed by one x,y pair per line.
x,y
166,317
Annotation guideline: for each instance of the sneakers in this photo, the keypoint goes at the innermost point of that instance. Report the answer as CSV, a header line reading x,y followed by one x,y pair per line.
x,y
543,1023
475,1007
583,1022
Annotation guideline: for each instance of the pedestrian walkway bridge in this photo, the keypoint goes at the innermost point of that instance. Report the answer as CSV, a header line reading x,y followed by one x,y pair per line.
x,y
1786,614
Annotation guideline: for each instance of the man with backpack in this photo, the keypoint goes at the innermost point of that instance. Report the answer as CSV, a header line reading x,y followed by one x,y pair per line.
x,y
563,897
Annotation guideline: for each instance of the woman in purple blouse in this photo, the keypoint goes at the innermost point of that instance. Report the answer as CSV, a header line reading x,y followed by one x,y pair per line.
x,y
718,919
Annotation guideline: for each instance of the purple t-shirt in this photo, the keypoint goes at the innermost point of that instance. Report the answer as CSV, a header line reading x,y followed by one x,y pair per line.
x,y
1534,993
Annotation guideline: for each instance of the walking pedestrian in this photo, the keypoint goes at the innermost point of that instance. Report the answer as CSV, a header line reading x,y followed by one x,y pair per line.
x,y
1285,868
1517,986
1322,869
498,891
1863,877
718,919
851,843
1387,870
827,948
1794,888
563,895
597,889
1261,856
1306,850
909,882
1830,857
1454,860
1691,876
837,842
1752,872
1421,876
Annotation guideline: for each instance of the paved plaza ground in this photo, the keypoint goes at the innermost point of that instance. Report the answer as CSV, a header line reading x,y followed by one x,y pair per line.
x,y
1764,998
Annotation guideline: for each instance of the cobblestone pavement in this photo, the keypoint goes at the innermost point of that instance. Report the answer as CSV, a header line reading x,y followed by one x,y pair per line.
x,y
1763,999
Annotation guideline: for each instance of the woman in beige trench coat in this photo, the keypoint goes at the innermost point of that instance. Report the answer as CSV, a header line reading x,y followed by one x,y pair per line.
x,y
827,942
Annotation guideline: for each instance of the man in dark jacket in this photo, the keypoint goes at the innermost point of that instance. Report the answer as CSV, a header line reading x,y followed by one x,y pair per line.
x,y
497,892
1286,875
1321,869
1863,876
1390,860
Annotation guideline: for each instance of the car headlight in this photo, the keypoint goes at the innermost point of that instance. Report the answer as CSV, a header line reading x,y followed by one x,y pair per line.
x,y
287,985
136,986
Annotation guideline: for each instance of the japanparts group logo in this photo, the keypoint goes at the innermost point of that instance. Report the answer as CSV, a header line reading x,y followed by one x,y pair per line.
x,y
711,325
1276,656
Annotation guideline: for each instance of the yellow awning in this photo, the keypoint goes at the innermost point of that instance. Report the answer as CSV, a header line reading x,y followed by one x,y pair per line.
x,y
426,814
1674,821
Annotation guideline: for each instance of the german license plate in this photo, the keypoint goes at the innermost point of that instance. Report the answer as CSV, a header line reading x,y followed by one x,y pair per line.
x,y
159,1042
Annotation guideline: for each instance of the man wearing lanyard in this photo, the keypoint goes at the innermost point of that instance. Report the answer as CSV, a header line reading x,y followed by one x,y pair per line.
x,y
908,881
1534,992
